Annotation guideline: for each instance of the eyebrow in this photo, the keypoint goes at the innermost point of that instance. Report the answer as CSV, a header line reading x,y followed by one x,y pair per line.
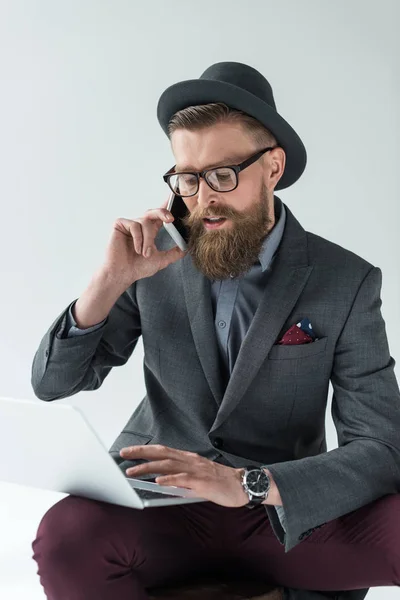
x,y
231,159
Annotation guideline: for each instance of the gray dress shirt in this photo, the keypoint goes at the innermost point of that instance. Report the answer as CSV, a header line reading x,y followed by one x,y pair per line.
x,y
234,303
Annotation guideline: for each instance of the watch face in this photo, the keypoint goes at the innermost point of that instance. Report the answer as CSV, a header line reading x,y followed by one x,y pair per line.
x,y
257,481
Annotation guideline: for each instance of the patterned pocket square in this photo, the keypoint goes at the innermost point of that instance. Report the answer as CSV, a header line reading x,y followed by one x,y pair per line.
x,y
300,333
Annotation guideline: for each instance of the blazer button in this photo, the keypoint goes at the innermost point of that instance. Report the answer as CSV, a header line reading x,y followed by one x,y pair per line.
x,y
218,443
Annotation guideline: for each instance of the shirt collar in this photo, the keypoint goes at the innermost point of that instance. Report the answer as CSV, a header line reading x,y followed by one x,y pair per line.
x,y
273,237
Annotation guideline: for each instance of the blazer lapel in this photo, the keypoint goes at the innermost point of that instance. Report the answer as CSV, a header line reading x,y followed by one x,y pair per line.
x,y
197,290
287,279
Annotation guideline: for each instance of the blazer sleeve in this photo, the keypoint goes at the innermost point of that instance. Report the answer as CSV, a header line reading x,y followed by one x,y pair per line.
x,y
63,366
366,414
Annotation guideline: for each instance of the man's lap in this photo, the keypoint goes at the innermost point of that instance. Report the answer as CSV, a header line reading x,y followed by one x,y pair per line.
x,y
160,544
357,550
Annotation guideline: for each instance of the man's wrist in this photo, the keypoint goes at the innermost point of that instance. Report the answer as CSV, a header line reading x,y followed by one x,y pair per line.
x,y
273,498
240,473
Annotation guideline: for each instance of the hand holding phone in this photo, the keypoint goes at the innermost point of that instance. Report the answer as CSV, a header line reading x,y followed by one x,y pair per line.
x,y
126,260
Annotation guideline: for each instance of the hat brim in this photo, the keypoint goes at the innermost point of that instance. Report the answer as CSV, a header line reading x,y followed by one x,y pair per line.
x,y
203,91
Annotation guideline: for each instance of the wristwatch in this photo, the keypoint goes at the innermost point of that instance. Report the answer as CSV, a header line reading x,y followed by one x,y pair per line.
x,y
256,483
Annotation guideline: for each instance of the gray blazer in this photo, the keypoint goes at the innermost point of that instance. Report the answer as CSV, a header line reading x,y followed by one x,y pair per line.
x,y
272,410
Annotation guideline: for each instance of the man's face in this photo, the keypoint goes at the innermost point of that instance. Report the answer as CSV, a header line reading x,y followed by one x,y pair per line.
x,y
233,247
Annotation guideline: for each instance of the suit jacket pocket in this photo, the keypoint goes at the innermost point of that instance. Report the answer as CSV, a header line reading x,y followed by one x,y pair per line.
x,y
291,351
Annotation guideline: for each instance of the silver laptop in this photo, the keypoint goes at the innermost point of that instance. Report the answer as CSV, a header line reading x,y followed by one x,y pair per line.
x,y
53,447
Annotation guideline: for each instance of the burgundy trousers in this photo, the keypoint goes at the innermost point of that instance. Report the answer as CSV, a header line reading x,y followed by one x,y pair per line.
x,y
92,550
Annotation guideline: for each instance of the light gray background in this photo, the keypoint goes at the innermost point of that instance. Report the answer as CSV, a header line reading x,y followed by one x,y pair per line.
x,y
80,141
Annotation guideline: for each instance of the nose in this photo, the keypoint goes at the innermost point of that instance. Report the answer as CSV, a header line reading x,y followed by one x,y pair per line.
x,y
205,195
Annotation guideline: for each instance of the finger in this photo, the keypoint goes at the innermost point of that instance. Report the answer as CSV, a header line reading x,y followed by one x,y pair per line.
x,y
151,451
151,224
170,256
133,228
142,231
154,214
166,466
179,480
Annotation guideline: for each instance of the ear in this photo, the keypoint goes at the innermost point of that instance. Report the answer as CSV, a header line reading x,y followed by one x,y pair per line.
x,y
275,166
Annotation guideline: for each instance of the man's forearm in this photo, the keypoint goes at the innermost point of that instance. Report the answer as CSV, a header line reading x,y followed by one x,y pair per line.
x,y
94,305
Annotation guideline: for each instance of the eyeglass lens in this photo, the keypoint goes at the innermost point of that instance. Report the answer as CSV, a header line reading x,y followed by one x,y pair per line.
x,y
222,179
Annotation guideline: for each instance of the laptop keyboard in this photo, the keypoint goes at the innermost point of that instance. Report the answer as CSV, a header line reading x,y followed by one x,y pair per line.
x,y
149,494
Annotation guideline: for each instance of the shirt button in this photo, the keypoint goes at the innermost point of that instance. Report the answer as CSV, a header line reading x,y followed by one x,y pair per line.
x,y
221,324
218,443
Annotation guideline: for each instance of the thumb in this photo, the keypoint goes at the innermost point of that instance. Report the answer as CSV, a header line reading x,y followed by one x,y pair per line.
x,y
172,255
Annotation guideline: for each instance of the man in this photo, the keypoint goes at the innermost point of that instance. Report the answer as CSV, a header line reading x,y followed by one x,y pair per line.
x,y
242,334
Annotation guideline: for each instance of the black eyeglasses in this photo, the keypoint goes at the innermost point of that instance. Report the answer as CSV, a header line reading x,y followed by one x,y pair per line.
x,y
220,179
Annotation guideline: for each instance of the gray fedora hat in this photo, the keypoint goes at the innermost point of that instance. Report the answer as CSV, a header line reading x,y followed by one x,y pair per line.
x,y
244,88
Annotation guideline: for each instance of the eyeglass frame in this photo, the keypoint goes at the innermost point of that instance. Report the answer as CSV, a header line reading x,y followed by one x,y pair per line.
x,y
237,168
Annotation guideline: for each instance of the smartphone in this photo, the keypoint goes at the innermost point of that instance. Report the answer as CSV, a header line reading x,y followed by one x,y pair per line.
x,y
177,230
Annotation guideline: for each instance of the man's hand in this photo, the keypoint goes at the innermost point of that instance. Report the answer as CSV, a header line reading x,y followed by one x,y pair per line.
x,y
209,480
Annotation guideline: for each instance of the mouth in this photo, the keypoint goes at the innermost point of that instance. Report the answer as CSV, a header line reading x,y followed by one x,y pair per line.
x,y
214,224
